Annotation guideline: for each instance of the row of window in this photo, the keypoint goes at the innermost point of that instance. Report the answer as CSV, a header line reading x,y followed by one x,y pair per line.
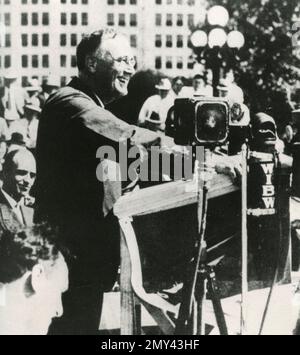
x,y
173,2
170,41
173,63
43,39
121,20
122,2
36,40
178,20
35,61
36,19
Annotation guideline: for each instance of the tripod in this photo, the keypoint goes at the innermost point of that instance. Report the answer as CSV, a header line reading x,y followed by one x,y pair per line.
x,y
203,279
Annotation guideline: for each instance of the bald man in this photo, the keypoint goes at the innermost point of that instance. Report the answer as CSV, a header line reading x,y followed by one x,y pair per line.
x,y
19,172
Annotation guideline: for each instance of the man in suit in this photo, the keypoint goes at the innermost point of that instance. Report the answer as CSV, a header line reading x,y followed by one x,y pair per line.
x,y
74,124
13,97
19,172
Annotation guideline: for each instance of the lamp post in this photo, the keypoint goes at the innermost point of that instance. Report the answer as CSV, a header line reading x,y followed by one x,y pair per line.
x,y
209,43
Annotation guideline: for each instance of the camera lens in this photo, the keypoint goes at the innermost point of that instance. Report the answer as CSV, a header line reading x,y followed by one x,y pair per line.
x,y
211,122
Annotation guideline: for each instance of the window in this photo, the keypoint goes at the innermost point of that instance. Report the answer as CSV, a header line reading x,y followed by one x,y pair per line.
x,y
74,19
7,19
35,61
179,43
158,63
7,61
73,40
179,63
133,41
24,61
169,63
7,40
73,61
34,40
63,19
63,61
45,19
45,61
84,19
24,19
45,40
133,20
35,19
24,39
158,20
179,20
110,20
169,21
169,41
122,21
158,41
63,40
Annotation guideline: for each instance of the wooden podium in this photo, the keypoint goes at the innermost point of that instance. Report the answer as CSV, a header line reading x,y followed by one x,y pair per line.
x,y
141,203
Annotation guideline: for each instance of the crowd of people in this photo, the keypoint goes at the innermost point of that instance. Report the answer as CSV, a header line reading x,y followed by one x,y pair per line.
x,y
49,139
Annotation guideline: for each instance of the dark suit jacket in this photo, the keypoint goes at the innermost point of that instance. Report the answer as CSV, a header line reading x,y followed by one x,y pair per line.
x,y
9,220
73,125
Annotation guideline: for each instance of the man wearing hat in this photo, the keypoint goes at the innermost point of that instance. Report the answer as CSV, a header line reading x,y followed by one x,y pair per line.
x,y
13,98
51,85
33,91
154,112
28,126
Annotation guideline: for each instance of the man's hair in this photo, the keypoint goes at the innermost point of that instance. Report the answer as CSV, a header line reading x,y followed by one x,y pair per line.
x,y
198,76
182,78
22,249
91,43
9,161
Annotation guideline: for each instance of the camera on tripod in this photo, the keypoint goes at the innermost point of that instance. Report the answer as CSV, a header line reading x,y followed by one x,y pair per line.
x,y
201,121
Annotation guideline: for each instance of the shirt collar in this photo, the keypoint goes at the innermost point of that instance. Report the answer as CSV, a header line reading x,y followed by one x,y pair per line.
x,y
12,202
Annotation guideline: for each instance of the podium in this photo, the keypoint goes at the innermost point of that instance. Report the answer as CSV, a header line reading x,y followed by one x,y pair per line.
x,y
145,202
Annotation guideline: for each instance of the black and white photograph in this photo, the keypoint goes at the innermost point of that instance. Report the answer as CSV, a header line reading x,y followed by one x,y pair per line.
x,y
149,170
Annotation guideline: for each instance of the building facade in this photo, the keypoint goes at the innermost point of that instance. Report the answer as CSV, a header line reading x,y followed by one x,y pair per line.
x,y
38,38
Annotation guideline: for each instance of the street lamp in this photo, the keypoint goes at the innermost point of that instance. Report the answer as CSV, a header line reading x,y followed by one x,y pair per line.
x,y
214,40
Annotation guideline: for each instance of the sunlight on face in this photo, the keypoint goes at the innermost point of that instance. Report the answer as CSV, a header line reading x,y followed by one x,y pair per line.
x,y
118,53
48,302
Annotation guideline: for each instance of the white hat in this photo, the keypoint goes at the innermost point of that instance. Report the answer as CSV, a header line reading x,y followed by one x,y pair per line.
x,y
34,86
11,74
164,84
53,81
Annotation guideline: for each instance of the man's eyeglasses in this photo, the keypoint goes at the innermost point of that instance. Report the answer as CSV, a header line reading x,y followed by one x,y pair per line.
x,y
126,59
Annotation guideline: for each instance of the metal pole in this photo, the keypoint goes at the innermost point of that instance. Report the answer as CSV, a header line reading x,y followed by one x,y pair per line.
x,y
244,302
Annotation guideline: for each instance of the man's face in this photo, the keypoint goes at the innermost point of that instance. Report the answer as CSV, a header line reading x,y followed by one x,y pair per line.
x,y
48,300
115,67
19,181
198,83
177,87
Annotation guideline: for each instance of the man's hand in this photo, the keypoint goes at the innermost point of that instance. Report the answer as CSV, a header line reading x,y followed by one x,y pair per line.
x,y
231,166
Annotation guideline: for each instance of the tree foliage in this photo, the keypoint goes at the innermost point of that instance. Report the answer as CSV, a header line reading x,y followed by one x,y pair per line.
x,y
267,62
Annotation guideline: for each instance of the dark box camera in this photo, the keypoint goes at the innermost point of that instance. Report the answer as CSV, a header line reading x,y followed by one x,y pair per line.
x,y
201,121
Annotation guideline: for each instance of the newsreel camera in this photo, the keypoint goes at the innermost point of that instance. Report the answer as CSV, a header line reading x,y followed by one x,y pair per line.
x,y
201,121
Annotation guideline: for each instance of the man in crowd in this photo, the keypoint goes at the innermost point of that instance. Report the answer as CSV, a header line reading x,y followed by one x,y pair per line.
x,y
155,110
51,85
33,277
199,88
19,171
73,126
13,98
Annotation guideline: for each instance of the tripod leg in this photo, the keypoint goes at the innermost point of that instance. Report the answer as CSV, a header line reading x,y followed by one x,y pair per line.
x,y
200,296
216,300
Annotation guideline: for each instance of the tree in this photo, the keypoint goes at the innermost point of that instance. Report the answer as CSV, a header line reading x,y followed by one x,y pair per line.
x,y
267,62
